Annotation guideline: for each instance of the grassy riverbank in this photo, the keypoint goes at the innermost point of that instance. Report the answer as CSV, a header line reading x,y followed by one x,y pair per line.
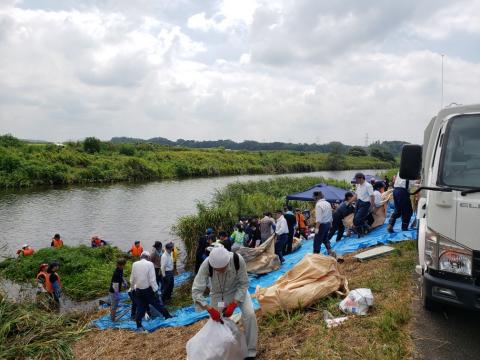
x,y
85,272
26,165
382,334
238,200
27,332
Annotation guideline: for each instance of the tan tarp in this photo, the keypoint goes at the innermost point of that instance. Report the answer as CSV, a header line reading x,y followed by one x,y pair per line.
x,y
313,278
379,214
262,259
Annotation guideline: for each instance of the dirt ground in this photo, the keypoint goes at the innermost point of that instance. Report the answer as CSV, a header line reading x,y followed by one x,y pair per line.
x,y
300,334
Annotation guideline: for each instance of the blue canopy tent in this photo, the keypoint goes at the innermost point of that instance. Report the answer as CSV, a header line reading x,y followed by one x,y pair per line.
x,y
368,178
332,194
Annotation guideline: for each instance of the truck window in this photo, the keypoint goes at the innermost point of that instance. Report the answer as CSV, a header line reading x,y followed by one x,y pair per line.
x,y
460,162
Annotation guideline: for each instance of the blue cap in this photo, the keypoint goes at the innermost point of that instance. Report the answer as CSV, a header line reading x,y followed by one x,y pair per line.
x,y
209,231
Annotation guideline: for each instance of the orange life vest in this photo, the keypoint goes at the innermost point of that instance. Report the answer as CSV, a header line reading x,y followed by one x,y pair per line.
x,y
97,242
136,251
47,285
300,221
28,251
57,243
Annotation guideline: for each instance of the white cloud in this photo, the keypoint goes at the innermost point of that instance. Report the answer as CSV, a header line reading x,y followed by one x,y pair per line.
x,y
266,70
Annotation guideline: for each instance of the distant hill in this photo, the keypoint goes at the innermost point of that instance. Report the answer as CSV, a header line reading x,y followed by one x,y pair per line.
x,y
393,146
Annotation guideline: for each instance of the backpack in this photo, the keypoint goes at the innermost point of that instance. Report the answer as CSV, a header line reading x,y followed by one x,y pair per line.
x,y
236,262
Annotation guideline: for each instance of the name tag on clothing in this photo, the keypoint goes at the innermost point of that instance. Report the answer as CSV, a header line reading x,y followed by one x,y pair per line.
x,y
221,305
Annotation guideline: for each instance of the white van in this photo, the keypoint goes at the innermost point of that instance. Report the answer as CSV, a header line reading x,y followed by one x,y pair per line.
x,y
449,206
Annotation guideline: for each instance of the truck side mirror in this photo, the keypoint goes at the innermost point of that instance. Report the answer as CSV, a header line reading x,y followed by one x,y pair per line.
x,y
411,162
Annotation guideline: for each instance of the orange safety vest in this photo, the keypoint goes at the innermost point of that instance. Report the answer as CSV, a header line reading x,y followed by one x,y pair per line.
x,y
57,243
300,221
28,251
136,251
47,284
97,242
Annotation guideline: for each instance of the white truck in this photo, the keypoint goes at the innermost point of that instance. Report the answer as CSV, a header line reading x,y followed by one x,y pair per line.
x,y
448,211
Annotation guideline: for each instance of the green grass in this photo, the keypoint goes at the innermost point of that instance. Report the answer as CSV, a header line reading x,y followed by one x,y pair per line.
x,y
242,199
382,334
85,272
27,332
27,165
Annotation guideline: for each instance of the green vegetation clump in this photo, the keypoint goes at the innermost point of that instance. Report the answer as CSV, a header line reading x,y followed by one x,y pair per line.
x,y
27,332
85,272
237,200
25,165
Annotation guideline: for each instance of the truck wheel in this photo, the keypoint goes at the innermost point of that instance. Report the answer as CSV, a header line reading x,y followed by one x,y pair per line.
x,y
429,304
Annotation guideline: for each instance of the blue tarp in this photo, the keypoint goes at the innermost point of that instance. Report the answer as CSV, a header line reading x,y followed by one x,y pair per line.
x,y
331,193
187,315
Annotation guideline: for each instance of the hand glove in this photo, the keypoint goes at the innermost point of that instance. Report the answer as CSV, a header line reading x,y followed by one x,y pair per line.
x,y
228,311
316,230
214,314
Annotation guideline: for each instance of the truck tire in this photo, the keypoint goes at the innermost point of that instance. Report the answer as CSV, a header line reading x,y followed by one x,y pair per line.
x,y
430,304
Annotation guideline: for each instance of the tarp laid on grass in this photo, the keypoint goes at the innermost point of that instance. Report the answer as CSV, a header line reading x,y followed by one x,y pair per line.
x,y
187,315
331,193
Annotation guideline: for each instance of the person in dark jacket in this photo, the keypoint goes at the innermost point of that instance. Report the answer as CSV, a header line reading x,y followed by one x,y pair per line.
x,y
346,208
204,242
291,222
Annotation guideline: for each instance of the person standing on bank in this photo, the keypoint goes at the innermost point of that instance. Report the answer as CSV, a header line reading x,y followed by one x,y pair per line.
x,y
155,258
144,284
281,233
323,222
167,272
291,222
365,203
403,205
227,273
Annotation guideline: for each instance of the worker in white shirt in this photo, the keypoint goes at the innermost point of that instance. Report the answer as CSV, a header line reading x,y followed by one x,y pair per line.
x,y
166,266
365,203
323,222
281,233
403,205
144,283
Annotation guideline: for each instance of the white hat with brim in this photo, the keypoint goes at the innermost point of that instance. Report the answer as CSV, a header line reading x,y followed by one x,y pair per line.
x,y
25,245
145,254
219,257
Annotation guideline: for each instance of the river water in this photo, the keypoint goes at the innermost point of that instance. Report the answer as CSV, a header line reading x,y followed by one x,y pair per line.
x,y
119,213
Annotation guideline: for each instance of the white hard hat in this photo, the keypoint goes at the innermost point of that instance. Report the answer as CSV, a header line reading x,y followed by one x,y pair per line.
x,y
219,257
25,245
145,254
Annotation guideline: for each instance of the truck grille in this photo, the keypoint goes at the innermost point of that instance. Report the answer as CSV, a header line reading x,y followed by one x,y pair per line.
x,y
476,267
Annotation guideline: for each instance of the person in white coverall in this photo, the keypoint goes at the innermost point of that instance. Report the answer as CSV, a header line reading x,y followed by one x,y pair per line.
x,y
229,290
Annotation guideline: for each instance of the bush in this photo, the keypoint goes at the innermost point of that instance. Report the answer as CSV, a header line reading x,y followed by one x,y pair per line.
x,y
127,149
381,153
92,145
10,141
357,151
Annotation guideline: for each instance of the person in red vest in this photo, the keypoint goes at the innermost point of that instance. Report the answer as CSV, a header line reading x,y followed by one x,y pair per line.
x,y
97,242
57,242
26,250
136,249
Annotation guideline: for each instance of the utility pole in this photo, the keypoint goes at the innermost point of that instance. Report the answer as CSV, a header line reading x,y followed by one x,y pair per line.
x,y
441,104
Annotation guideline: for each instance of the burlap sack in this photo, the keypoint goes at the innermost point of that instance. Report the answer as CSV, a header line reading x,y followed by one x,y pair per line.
x,y
262,259
379,214
313,278
297,242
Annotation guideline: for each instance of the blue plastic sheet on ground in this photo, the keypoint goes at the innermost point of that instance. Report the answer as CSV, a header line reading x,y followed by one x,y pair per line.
x,y
187,315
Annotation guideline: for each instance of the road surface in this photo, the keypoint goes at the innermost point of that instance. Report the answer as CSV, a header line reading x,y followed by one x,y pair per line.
x,y
448,334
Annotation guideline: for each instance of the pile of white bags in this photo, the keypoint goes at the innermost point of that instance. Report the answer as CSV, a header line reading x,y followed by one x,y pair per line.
x,y
357,302
216,341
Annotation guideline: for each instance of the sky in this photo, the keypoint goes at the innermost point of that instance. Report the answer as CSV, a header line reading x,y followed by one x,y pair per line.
x,y
308,71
